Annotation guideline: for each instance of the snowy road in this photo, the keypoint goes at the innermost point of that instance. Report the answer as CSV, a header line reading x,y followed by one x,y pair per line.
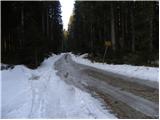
x,y
40,93
138,99
62,88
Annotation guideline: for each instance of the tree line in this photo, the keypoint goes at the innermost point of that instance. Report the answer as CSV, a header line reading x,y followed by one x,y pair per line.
x,y
33,30
132,27
30,31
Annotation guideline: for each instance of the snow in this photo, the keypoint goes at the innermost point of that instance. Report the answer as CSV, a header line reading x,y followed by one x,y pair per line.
x,y
40,93
142,72
0,95
15,85
84,55
5,66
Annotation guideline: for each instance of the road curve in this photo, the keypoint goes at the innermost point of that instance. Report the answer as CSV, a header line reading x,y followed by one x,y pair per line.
x,y
140,98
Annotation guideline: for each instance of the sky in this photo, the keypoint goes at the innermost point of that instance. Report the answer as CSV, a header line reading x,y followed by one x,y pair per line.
x,y
67,10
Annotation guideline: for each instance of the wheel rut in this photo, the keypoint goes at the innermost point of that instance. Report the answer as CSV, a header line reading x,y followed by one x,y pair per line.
x,y
139,100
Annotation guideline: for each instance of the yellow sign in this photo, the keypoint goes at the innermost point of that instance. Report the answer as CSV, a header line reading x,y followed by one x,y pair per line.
x,y
108,43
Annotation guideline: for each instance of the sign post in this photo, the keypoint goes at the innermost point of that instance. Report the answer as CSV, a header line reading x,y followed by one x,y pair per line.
x,y
107,45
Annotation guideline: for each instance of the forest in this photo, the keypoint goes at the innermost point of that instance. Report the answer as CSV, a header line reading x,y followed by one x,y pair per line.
x,y
32,31
131,27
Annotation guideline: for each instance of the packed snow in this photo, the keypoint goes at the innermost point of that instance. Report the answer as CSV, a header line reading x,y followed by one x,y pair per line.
x,y
142,72
40,93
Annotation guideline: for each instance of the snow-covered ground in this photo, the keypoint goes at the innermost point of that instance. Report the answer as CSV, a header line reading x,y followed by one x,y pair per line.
x,y
40,93
142,72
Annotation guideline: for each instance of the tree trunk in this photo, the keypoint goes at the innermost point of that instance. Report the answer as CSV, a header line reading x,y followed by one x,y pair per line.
x,y
36,57
122,25
112,28
151,30
132,28
43,21
91,38
47,27
22,26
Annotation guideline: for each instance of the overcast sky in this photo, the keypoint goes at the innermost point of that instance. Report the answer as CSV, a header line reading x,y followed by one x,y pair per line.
x,y
67,9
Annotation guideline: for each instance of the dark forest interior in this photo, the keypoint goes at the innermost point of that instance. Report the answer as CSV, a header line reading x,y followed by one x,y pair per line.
x,y
32,31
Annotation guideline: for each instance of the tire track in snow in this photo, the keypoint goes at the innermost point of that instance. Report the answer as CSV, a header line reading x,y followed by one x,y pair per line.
x,y
50,97
77,76
39,89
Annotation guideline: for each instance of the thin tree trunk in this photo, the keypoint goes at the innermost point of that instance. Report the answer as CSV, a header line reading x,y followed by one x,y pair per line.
x,y
151,29
22,26
91,38
133,29
47,22
151,36
51,31
36,57
43,21
5,46
9,37
122,25
112,28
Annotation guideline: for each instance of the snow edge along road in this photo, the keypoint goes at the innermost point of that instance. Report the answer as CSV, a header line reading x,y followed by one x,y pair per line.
x,y
149,78
76,75
45,95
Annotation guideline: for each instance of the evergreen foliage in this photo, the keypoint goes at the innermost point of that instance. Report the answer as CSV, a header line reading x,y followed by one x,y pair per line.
x,y
30,31
131,26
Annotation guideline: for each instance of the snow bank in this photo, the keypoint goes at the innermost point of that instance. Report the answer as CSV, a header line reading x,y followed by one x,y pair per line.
x,y
142,72
5,66
16,81
40,93
83,55
0,95
15,88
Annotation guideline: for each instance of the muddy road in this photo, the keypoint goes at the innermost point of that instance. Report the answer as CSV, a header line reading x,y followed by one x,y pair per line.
x,y
126,97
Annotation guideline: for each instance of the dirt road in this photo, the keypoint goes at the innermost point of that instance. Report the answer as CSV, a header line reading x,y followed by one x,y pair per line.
x,y
126,97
